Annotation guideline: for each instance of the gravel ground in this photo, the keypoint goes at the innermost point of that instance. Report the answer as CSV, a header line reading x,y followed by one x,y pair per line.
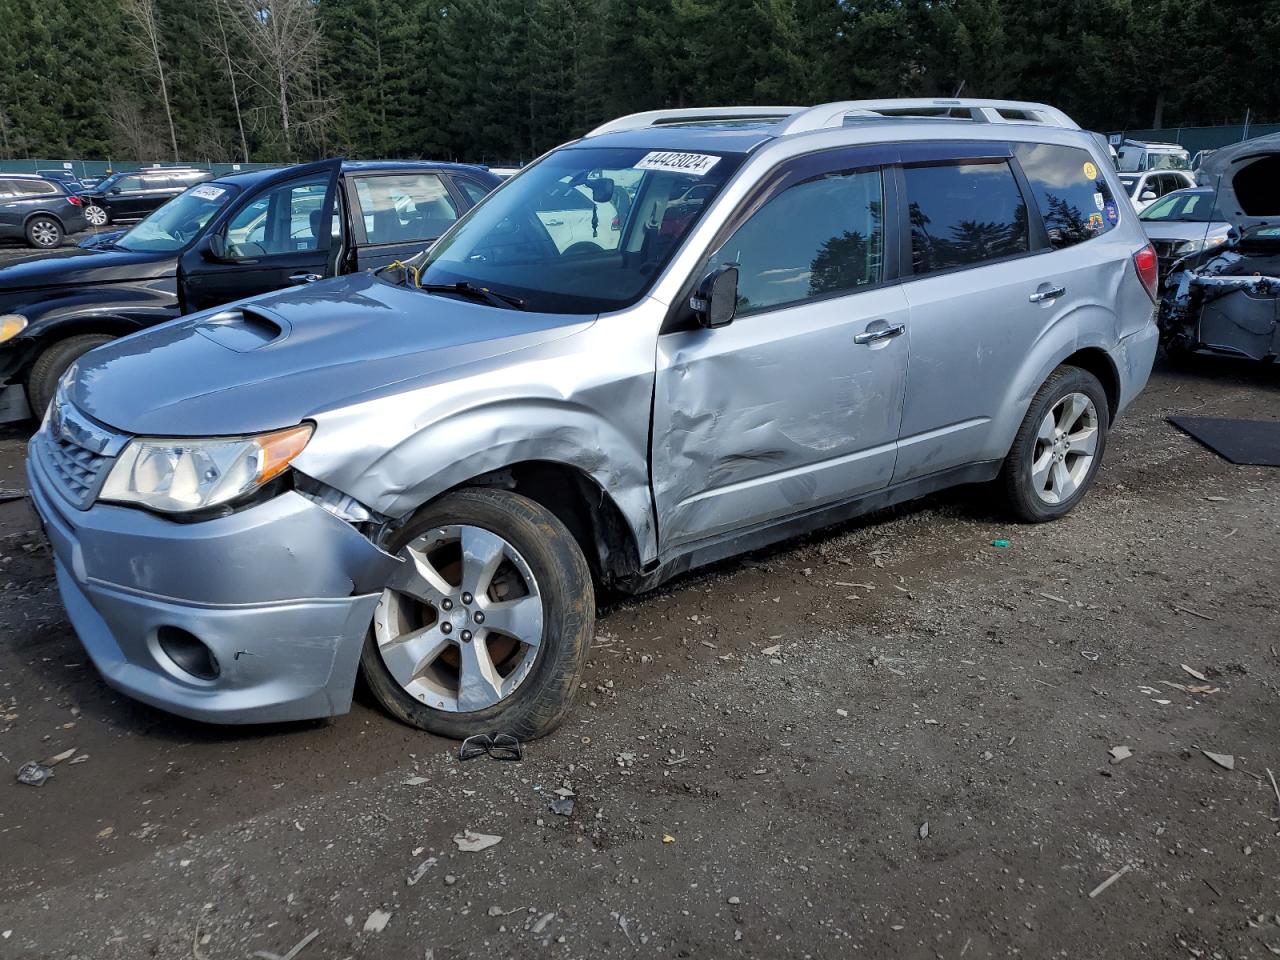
x,y
891,740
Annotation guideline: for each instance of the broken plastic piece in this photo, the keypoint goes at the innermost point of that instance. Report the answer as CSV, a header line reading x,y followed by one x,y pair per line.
x,y
501,746
34,774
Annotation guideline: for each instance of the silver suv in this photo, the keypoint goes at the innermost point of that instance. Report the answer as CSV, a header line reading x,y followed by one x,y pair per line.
x,y
685,335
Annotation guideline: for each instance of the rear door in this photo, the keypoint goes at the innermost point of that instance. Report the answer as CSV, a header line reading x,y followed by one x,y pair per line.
x,y
278,234
1003,248
396,214
796,403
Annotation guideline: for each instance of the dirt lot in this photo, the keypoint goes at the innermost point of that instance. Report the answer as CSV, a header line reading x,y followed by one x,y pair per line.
x,y
755,756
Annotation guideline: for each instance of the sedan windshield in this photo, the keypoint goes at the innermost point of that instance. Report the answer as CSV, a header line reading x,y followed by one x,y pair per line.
x,y
586,230
1186,206
179,221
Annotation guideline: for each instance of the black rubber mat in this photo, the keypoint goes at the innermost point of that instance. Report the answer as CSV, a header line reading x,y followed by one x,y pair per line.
x,y
1252,442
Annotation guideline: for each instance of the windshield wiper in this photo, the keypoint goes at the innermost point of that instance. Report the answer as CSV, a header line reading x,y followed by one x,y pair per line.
x,y
466,289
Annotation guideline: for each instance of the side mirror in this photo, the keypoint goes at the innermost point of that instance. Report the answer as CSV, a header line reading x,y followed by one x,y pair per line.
x,y
1148,195
215,248
601,189
115,190
716,300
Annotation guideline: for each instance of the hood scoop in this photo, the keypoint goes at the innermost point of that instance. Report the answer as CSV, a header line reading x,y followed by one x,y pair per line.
x,y
242,330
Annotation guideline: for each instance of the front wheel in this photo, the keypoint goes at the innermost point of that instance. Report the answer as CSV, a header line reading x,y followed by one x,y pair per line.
x,y
1059,447
53,362
486,626
96,215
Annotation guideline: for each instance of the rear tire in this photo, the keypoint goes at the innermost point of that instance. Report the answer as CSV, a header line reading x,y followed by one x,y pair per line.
x,y
1059,447
96,215
42,381
44,232
434,633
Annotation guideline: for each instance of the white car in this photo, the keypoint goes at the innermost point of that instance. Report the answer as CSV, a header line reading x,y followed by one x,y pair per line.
x,y
1146,188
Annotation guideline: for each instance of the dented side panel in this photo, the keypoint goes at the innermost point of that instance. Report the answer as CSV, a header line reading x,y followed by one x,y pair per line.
x,y
776,413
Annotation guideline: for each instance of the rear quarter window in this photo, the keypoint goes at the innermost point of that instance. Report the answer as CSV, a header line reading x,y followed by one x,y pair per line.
x,y
1070,191
964,214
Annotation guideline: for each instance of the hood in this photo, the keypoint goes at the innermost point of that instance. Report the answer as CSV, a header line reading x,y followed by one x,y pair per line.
x,y
1244,176
75,266
273,361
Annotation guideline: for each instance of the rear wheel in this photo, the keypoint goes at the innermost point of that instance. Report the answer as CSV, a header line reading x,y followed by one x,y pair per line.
x,y
44,232
96,215
485,628
1059,447
49,367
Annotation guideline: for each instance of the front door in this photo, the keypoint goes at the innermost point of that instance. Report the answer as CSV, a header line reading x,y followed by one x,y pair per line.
x,y
796,403
398,214
279,234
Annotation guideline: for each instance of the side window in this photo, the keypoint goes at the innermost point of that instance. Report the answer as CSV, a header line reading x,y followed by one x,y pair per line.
x,y
475,193
284,219
405,207
821,237
964,215
125,184
1070,190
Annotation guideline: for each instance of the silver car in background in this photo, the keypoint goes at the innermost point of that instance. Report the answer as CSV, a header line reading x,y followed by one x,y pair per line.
x,y
1183,223
769,320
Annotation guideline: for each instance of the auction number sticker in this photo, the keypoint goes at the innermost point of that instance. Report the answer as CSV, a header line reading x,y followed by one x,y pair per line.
x,y
207,192
697,164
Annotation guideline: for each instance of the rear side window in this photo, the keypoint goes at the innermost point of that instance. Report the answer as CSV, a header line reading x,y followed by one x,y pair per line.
x,y
1074,200
475,193
965,214
819,238
36,188
405,208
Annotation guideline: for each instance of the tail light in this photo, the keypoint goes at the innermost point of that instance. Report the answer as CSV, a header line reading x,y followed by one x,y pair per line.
x,y
1148,269
617,223
74,201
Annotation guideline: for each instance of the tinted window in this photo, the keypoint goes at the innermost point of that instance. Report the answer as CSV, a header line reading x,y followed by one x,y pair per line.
x,y
284,219
128,183
8,188
36,188
1070,190
820,237
964,214
405,207
475,193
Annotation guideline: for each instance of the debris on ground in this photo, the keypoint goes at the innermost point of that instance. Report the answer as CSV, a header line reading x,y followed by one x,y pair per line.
x,y
1110,880
924,830
668,838
1225,760
377,921
421,870
469,842
34,774
562,806
500,746
1001,543
57,758
1194,673
1120,753
772,651
542,923
293,951
414,782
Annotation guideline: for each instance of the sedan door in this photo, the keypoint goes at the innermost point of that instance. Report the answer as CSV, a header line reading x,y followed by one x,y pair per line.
x,y
279,234
396,214
796,403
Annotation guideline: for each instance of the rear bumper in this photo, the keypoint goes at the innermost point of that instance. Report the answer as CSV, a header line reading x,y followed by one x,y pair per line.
x,y
1134,356
281,594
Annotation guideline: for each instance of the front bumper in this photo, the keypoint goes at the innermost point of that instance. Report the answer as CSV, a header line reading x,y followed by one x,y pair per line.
x,y
281,593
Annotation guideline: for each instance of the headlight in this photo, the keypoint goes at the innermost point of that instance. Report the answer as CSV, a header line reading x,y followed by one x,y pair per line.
x,y
11,324
181,475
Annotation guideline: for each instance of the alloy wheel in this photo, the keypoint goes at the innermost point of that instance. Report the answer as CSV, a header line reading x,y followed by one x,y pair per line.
x,y
45,233
96,216
459,625
1066,444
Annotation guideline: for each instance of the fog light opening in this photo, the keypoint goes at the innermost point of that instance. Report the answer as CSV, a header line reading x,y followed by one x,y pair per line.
x,y
188,653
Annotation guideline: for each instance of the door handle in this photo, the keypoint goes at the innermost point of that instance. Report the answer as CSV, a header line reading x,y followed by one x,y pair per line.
x,y
304,277
887,332
1053,293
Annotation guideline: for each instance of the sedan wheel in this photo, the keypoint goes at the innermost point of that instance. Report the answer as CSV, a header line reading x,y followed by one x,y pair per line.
x,y
96,215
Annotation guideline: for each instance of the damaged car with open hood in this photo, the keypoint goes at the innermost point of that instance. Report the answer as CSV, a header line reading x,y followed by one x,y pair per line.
x,y
1224,298
423,475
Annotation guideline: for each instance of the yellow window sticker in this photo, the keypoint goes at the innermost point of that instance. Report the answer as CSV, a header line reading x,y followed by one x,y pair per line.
x,y
1090,171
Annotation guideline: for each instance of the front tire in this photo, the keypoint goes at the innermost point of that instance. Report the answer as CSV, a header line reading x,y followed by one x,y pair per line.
x,y
42,381
96,215
1059,447
44,233
487,625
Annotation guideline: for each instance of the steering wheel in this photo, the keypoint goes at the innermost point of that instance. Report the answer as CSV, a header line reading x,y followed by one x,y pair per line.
x,y
186,231
582,247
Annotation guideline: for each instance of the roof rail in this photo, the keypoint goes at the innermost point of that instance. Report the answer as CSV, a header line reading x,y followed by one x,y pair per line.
x,y
829,115
654,118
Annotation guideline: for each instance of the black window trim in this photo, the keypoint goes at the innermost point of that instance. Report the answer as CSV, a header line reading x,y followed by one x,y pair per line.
x,y
848,158
954,154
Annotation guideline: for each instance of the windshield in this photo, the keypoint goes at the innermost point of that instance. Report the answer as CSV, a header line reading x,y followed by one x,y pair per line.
x,y
1190,206
1128,183
586,230
178,222
1168,161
